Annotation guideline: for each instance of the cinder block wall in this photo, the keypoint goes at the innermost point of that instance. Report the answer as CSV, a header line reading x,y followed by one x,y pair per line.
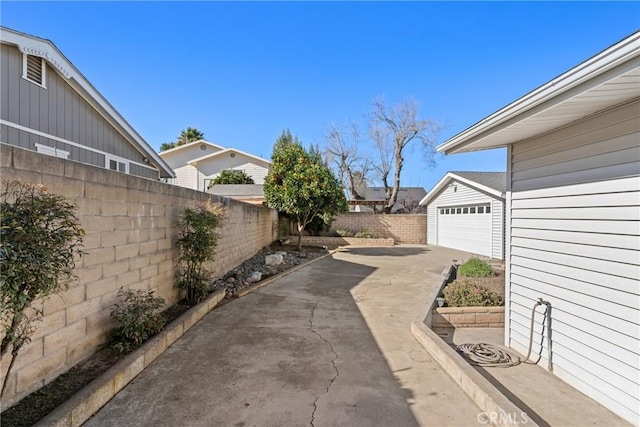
x,y
402,228
130,242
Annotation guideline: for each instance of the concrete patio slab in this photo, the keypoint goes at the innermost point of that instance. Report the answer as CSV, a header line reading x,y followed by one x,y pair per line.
x,y
327,345
546,399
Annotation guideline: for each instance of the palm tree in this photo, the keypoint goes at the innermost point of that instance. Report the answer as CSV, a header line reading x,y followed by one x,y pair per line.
x,y
187,135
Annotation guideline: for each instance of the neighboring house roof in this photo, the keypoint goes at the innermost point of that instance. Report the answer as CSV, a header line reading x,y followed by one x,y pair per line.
x,y
493,183
220,153
36,46
404,193
249,193
240,190
607,79
190,144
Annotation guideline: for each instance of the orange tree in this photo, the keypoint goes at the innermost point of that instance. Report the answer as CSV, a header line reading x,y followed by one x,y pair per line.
x,y
301,185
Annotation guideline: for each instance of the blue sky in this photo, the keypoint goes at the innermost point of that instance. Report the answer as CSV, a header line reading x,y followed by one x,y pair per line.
x,y
242,72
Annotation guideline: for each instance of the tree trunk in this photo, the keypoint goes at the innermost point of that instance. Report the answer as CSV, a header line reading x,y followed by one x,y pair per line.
x,y
300,231
396,179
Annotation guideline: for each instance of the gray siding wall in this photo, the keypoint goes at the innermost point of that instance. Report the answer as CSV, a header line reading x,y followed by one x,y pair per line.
x,y
57,110
575,241
465,195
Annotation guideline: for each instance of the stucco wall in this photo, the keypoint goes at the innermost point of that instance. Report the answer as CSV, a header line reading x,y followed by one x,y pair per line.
x,y
130,236
409,228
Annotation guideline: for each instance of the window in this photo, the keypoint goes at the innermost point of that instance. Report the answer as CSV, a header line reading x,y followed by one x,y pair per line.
x,y
487,209
446,211
34,69
117,164
52,151
458,211
465,210
472,209
441,211
480,209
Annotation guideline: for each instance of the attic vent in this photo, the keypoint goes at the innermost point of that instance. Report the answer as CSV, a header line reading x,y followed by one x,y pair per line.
x,y
34,69
203,147
232,155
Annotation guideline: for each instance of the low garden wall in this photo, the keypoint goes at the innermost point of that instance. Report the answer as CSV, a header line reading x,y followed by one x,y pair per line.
x,y
130,242
402,228
342,241
467,317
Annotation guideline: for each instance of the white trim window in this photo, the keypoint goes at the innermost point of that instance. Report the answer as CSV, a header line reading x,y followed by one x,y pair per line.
x,y
52,151
464,210
34,69
116,163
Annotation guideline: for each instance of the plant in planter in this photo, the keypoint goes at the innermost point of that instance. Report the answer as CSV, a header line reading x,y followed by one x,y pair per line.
x,y
476,285
197,242
343,232
40,242
475,267
137,319
466,293
365,234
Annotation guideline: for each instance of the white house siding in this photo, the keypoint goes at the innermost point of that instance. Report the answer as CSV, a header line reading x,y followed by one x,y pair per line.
x,y
181,157
186,176
212,167
575,241
466,195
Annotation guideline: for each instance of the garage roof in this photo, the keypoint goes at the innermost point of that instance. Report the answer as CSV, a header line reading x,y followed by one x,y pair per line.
x,y
493,183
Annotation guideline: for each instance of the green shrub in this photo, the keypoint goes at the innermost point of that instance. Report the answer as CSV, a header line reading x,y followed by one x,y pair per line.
x,y
466,293
137,319
40,243
231,176
197,242
284,228
343,232
365,234
475,267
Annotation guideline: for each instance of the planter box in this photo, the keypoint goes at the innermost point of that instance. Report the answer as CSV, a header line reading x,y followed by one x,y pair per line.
x,y
341,241
467,317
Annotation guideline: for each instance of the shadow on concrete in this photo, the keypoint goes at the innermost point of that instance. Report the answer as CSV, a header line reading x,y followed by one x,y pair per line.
x,y
512,397
396,251
295,352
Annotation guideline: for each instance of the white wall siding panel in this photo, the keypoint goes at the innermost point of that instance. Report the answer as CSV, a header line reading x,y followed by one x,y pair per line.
x,y
186,176
575,241
432,224
497,229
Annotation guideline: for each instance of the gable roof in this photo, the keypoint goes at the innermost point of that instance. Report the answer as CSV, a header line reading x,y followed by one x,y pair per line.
x,y
228,151
493,183
36,46
404,193
190,144
608,79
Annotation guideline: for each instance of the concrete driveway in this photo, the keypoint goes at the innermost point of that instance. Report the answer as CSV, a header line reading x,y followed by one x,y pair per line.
x,y
328,345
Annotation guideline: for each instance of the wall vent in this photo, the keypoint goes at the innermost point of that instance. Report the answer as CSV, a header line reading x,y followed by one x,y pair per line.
x,y
34,69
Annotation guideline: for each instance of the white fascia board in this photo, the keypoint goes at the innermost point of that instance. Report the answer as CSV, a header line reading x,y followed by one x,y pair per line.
x,y
31,45
228,150
189,144
453,177
621,52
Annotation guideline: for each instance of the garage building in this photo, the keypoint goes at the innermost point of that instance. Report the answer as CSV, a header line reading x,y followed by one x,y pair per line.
x,y
465,211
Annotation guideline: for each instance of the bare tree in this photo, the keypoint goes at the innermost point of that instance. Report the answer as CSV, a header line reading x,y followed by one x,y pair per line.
x,y
393,131
352,164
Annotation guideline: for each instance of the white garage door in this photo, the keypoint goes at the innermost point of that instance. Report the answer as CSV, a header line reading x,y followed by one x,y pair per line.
x,y
467,228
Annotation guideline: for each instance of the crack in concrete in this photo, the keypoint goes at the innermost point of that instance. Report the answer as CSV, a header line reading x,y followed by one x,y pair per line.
x,y
333,363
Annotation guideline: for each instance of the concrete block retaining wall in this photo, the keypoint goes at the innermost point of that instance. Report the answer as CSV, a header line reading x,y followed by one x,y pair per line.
x,y
468,317
402,228
130,242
